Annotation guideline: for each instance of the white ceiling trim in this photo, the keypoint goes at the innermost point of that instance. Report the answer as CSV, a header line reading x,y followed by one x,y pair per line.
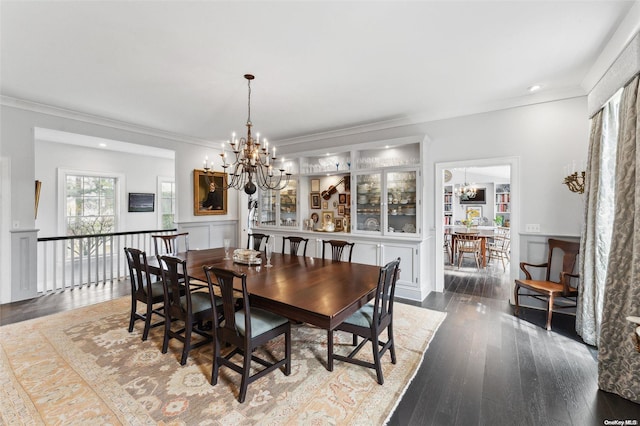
x,y
97,120
626,31
86,141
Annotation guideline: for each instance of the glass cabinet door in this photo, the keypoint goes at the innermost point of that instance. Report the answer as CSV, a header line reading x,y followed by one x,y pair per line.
x,y
267,208
368,212
401,202
288,210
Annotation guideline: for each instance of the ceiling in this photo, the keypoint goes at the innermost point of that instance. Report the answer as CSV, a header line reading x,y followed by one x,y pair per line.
x,y
178,66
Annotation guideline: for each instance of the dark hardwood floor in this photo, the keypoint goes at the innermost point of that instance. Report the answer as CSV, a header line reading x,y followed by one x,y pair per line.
x,y
483,367
487,367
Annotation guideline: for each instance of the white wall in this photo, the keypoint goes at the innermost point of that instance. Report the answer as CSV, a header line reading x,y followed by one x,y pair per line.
x,y
544,137
17,123
139,173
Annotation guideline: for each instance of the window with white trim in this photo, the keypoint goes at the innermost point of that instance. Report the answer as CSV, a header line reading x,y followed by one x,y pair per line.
x,y
167,204
90,204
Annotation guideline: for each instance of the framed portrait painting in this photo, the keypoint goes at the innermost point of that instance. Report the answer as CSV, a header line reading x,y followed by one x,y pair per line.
x,y
315,200
209,197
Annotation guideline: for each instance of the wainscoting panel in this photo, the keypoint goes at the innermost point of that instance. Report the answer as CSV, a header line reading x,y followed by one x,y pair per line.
x,y
23,264
203,235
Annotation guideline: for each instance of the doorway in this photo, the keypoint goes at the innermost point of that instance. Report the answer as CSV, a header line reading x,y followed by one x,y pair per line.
x,y
487,166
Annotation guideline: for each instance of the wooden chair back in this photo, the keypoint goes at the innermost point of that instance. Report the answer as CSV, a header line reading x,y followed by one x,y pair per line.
x,y
294,245
176,283
257,241
468,243
138,273
383,305
224,279
561,258
169,244
337,249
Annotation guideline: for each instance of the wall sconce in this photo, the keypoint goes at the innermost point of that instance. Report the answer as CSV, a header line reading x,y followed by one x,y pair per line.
x,y
575,182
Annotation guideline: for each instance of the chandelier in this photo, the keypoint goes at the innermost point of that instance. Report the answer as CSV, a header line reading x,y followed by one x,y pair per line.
x,y
253,163
466,191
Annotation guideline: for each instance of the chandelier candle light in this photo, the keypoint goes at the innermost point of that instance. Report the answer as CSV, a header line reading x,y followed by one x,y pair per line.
x,y
466,191
574,179
254,163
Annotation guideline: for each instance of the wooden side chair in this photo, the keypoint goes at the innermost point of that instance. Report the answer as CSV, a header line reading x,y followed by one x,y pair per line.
x,y
257,241
369,322
548,289
499,249
144,290
294,245
337,249
245,329
192,308
468,244
169,244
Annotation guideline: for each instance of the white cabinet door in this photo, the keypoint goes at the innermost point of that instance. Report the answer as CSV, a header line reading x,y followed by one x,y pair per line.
x,y
408,262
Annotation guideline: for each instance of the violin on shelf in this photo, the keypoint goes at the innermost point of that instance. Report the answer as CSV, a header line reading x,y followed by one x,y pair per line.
x,y
326,195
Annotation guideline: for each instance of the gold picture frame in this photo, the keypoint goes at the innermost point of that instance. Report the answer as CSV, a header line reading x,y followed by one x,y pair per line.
x,y
206,202
327,217
315,200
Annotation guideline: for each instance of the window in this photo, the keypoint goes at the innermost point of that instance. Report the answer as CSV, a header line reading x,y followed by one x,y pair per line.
x,y
167,204
90,204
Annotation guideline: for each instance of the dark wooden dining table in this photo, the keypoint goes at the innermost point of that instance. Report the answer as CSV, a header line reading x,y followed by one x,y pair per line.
x,y
483,234
321,292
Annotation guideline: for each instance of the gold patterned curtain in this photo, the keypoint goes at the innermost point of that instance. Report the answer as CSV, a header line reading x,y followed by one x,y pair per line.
x,y
598,219
618,361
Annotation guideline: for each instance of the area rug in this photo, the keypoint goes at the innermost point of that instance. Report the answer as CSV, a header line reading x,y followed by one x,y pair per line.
x,y
84,367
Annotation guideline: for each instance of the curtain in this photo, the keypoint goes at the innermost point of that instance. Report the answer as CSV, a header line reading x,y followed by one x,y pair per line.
x,y
618,362
598,220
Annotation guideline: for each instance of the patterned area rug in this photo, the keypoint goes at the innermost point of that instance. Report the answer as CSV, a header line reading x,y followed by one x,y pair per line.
x,y
83,367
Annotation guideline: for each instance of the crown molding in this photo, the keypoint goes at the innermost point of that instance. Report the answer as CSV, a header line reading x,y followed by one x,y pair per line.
x,y
443,114
98,120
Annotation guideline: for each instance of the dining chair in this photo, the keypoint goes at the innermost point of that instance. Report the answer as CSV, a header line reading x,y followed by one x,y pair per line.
x,y
294,245
446,246
245,329
337,249
500,246
468,244
257,241
191,307
369,322
545,288
144,290
169,244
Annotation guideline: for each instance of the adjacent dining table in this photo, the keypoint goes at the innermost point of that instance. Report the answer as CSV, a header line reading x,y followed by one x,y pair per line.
x,y
321,292
483,234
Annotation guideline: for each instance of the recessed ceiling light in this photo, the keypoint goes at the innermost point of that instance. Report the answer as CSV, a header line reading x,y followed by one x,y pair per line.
x,y
535,88
102,145
386,146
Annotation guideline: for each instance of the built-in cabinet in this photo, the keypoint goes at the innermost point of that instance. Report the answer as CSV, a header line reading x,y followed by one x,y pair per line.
x,y
278,208
387,202
371,195
503,204
448,205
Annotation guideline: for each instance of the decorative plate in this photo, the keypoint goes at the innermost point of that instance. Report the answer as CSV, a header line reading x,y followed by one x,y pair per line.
x,y
447,175
371,224
409,228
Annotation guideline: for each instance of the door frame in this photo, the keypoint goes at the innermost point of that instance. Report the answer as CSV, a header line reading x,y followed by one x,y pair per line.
x,y
514,163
